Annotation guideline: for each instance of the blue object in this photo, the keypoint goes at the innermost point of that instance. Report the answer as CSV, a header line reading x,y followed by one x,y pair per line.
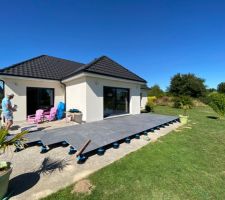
x,y
7,113
137,136
44,149
19,146
72,150
64,144
5,103
17,149
145,132
127,140
39,143
81,159
60,110
100,151
116,145
74,110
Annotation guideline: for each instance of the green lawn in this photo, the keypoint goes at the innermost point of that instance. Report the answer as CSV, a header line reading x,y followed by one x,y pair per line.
x,y
189,164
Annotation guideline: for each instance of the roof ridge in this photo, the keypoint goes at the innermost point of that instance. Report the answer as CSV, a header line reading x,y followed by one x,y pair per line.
x,y
93,62
65,59
19,63
83,68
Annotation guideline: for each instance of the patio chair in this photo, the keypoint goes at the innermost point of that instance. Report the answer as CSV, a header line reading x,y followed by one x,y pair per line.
x,y
38,117
50,116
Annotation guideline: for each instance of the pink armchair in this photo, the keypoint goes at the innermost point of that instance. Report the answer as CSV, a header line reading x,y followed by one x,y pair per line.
x,y
38,117
50,116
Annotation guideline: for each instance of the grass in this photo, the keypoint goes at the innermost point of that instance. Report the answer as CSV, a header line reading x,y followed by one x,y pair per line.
x,y
189,164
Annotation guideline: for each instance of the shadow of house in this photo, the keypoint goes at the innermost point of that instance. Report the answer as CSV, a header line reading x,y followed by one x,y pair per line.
x,y
24,182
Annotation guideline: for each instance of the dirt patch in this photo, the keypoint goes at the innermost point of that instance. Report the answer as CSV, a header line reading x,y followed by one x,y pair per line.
x,y
83,186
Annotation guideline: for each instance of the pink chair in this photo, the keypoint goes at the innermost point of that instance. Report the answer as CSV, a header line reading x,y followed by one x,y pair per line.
x,y
38,117
50,116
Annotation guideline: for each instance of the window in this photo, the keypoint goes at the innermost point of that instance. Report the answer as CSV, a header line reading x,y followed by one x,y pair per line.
x,y
39,98
116,101
2,90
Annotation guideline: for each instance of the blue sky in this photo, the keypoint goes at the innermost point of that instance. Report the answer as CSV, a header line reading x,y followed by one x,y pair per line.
x,y
154,38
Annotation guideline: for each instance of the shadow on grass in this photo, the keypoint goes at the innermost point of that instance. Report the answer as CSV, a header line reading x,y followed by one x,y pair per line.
x,y
24,182
212,117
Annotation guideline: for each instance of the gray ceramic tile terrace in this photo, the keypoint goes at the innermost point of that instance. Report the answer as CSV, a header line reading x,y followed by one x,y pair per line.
x,y
101,133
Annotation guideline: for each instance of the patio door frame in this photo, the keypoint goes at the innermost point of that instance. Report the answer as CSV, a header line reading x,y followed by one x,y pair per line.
x,y
53,93
128,100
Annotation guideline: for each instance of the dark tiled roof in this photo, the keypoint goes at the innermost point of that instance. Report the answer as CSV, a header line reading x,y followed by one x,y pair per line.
x,y
108,67
48,67
45,67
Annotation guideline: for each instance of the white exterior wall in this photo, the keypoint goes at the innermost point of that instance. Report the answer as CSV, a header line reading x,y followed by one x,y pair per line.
x,y
84,93
144,98
76,95
95,96
18,86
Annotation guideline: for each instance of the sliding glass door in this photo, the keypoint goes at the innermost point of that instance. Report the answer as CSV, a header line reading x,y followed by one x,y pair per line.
x,y
116,101
39,98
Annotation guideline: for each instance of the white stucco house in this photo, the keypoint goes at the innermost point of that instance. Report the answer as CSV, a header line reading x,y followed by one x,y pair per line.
x,y
99,89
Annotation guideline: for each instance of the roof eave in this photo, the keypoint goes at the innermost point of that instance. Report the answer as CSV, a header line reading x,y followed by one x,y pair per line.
x,y
144,81
88,72
33,77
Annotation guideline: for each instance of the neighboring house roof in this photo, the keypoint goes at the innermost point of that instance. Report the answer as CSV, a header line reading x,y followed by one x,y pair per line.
x,y
48,67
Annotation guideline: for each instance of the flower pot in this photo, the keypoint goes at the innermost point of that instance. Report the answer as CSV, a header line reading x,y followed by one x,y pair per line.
x,y
183,119
4,181
78,117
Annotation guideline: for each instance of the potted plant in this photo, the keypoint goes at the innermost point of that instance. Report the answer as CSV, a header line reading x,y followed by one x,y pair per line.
x,y
184,117
6,167
185,103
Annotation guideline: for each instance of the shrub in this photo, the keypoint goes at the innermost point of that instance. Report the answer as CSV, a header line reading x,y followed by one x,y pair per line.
x,y
149,107
164,101
156,91
152,99
217,103
181,101
204,100
198,103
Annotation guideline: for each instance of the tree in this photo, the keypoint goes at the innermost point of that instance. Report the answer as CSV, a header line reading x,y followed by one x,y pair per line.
x,y
187,85
210,90
156,91
221,87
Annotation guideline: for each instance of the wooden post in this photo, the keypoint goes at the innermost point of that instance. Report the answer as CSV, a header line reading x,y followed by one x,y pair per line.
x,y
82,148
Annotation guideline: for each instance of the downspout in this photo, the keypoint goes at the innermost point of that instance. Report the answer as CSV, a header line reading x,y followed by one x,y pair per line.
x,y
65,91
